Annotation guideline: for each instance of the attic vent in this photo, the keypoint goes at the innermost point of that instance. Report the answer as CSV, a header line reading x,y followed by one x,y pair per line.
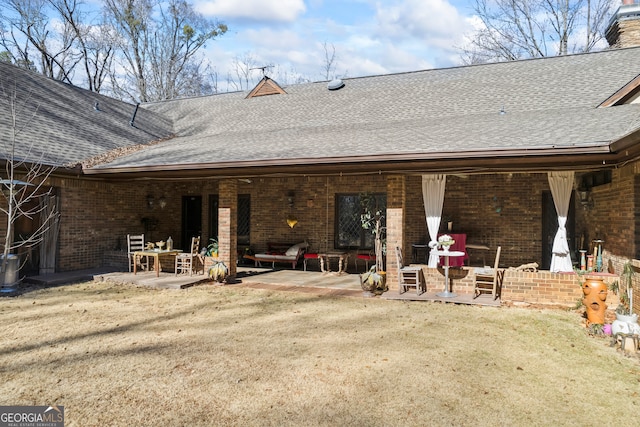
x,y
335,84
266,86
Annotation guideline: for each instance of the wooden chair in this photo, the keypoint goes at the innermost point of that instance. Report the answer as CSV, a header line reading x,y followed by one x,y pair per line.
x,y
135,242
489,282
409,276
188,262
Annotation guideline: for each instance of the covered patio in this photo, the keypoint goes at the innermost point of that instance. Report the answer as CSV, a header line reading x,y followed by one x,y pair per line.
x,y
291,167
328,284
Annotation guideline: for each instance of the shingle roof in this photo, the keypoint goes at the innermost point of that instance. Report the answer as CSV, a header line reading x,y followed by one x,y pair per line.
x,y
59,124
549,103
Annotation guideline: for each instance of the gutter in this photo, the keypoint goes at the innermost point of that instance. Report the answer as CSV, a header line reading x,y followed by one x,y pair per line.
x,y
402,157
596,156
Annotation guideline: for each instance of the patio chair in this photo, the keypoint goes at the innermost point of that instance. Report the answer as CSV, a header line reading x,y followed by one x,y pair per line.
x,y
366,257
489,281
135,242
307,256
188,262
409,276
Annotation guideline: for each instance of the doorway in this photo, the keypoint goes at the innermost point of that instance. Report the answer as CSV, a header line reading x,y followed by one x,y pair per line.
x,y
550,228
191,219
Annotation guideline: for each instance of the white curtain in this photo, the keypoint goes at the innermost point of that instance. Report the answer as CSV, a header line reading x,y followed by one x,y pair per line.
x,y
561,184
433,197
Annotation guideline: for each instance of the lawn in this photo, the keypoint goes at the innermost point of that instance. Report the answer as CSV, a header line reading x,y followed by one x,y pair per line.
x,y
120,355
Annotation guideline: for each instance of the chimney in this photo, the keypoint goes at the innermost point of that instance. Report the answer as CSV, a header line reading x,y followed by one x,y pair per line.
x,y
624,26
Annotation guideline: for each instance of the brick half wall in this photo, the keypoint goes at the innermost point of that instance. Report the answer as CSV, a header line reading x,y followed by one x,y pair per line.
x,y
541,287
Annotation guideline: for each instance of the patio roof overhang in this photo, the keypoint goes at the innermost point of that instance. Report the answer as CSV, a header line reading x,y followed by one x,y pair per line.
x,y
531,159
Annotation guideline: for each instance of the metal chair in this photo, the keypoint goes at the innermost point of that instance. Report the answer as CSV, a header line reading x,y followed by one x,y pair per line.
x,y
135,243
188,262
489,282
409,276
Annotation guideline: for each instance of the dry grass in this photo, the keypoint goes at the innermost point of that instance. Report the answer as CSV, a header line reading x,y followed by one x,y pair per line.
x,y
119,355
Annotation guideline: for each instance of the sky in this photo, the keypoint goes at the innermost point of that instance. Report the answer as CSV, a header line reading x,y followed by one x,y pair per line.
x,y
370,37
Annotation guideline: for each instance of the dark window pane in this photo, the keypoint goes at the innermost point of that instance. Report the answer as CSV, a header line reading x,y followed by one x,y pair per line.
x,y
244,219
349,209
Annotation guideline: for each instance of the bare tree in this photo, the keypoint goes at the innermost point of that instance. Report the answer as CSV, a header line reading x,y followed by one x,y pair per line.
x,y
94,43
329,66
289,76
242,75
516,29
158,48
24,188
33,43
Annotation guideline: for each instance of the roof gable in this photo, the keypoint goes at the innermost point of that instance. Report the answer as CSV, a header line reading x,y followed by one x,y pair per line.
x,y
266,86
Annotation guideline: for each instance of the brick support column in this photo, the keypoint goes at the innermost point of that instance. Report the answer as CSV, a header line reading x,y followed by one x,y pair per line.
x,y
228,225
396,205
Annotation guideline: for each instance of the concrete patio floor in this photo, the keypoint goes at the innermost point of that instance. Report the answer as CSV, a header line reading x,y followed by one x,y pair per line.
x,y
259,278
246,276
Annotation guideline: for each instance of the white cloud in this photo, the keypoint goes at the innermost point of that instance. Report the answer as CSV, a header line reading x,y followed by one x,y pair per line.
x,y
255,10
374,37
422,19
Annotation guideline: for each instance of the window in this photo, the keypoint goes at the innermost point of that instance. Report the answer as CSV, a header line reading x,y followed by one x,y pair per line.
x,y
244,219
349,233
213,216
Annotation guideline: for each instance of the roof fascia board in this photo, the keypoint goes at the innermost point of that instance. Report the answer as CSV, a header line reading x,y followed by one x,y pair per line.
x,y
628,145
485,162
622,95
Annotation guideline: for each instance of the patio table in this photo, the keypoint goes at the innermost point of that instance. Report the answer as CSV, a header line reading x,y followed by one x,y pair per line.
x,y
155,253
446,255
342,261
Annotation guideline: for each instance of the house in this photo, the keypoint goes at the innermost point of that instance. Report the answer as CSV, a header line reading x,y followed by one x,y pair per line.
x,y
237,165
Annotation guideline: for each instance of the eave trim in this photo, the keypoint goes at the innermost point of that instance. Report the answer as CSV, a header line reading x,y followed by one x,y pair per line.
x,y
622,95
602,149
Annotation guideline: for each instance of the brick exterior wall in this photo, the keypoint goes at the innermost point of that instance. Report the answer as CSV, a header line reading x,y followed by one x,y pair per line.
x,y
498,209
542,287
228,225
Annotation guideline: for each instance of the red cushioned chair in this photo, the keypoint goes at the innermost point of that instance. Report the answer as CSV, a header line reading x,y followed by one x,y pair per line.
x,y
367,258
307,257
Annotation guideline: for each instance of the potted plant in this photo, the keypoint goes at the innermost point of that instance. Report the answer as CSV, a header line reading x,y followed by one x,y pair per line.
x,y
373,282
212,248
218,272
624,311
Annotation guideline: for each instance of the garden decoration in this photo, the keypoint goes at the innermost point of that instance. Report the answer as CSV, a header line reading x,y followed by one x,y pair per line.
x,y
595,295
625,328
624,311
445,241
372,218
583,260
374,282
218,272
627,333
